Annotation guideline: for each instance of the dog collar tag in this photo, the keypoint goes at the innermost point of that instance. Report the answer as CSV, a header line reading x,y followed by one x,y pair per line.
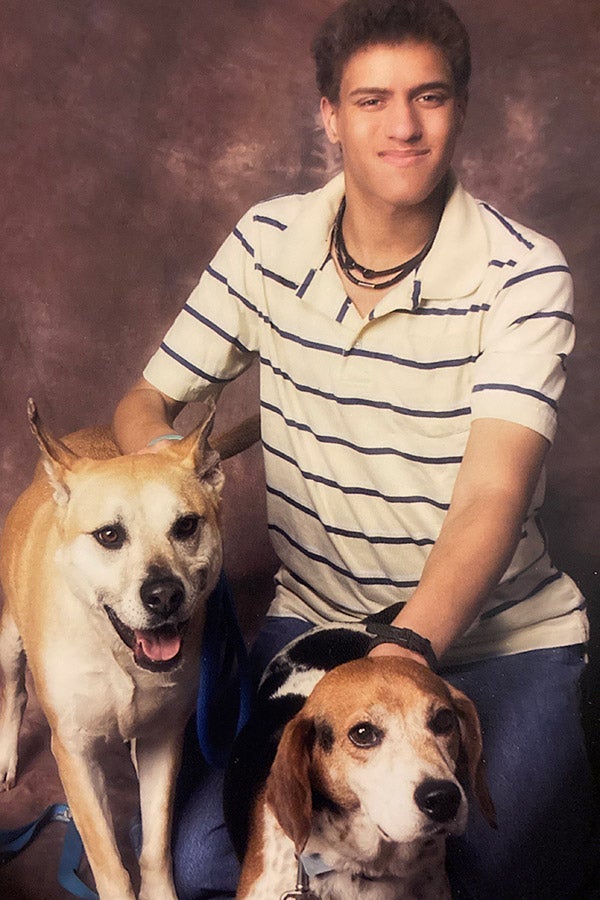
x,y
314,864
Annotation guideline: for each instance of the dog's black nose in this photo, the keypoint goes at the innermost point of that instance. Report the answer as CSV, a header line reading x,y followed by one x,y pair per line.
x,y
438,799
162,596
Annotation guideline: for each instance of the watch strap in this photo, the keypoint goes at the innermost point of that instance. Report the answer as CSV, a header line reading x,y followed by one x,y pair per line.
x,y
403,637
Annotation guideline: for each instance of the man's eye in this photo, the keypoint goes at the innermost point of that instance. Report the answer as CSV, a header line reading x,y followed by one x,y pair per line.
x,y
110,536
433,99
365,735
186,527
370,102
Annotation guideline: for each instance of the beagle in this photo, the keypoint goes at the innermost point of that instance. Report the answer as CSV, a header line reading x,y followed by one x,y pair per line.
x,y
369,776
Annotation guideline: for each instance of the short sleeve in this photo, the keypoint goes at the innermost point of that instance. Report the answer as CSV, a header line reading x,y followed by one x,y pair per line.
x,y
527,336
215,336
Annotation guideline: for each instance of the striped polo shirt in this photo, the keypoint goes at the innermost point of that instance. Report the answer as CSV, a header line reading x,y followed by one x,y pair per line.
x,y
365,420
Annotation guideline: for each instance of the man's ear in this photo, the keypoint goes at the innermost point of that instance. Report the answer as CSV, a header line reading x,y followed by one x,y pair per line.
x,y
195,451
329,115
57,458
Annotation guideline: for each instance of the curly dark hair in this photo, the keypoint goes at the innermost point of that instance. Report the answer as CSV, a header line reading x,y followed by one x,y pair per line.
x,y
359,23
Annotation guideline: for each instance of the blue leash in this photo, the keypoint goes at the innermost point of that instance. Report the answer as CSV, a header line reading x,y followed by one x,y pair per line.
x,y
14,840
223,648
70,860
224,678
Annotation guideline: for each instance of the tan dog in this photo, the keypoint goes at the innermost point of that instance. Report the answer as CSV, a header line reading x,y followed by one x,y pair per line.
x,y
368,781
106,563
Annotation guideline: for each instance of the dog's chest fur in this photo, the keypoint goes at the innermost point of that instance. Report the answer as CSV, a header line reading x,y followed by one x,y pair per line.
x,y
128,705
410,872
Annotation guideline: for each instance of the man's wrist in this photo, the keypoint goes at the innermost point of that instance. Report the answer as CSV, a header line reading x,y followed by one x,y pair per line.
x,y
169,436
403,637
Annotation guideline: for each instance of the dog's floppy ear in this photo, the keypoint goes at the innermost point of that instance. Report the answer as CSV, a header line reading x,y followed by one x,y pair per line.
x,y
471,768
194,450
57,458
289,791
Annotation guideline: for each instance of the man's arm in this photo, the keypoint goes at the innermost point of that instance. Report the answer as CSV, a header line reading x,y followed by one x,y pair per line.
x,y
495,483
144,414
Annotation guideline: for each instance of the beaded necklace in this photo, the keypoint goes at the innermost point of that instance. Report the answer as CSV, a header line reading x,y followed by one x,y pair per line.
x,y
348,264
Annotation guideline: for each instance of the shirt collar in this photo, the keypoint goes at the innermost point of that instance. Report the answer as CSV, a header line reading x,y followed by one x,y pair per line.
x,y
454,267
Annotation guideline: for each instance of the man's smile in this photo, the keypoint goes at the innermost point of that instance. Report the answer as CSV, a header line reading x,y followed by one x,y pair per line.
x,y
402,158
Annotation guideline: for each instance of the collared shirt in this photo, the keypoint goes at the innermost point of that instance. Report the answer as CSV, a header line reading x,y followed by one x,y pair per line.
x,y
365,420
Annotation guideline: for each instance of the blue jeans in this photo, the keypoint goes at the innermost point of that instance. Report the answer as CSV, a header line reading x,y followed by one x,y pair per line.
x,y
537,771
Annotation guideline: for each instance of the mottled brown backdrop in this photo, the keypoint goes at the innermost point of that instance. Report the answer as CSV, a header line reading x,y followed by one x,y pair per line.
x,y
134,133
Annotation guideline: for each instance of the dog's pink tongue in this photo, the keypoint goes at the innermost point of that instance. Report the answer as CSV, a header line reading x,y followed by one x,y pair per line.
x,y
158,645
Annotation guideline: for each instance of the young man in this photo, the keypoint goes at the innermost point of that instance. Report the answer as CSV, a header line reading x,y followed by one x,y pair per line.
x,y
412,345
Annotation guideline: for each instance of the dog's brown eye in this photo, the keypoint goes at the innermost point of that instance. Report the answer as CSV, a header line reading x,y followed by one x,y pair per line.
x,y
186,527
111,536
365,735
443,721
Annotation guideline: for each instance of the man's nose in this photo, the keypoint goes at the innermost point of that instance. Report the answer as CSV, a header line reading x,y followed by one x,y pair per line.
x,y
404,122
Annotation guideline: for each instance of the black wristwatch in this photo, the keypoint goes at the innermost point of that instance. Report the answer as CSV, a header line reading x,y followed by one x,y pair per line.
x,y
404,637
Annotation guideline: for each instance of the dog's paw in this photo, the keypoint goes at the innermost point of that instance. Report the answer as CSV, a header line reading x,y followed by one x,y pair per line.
x,y
156,886
8,757
8,771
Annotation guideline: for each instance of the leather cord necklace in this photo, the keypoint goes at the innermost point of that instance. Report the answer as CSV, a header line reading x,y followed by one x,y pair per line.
x,y
349,266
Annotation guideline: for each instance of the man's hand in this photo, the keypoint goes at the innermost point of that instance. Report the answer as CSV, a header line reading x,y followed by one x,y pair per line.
x,y
143,415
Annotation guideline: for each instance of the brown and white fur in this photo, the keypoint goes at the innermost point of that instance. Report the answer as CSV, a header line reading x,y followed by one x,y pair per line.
x,y
106,564
371,776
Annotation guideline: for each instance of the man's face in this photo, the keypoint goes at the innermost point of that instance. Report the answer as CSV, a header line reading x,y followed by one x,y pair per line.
x,y
397,121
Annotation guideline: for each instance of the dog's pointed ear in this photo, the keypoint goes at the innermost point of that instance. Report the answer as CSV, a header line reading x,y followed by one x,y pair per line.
x,y
289,792
57,458
471,767
195,451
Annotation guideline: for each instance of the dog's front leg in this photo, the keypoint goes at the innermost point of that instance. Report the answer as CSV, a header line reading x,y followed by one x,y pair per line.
x,y
157,761
14,700
85,787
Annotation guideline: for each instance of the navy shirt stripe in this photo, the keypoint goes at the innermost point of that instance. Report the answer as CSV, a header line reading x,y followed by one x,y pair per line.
x,y
501,263
339,351
549,314
208,323
275,277
367,451
345,532
517,389
546,270
316,557
365,401
352,489
343,310
502,607
267,220
191,367
304,286
243,241
516,234
450,310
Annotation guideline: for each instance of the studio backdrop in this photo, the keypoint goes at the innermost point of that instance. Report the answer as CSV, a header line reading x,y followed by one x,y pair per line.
x,y
135,133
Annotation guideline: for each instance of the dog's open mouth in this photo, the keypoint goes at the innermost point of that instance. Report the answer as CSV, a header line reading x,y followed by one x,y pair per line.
x,y
157,649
